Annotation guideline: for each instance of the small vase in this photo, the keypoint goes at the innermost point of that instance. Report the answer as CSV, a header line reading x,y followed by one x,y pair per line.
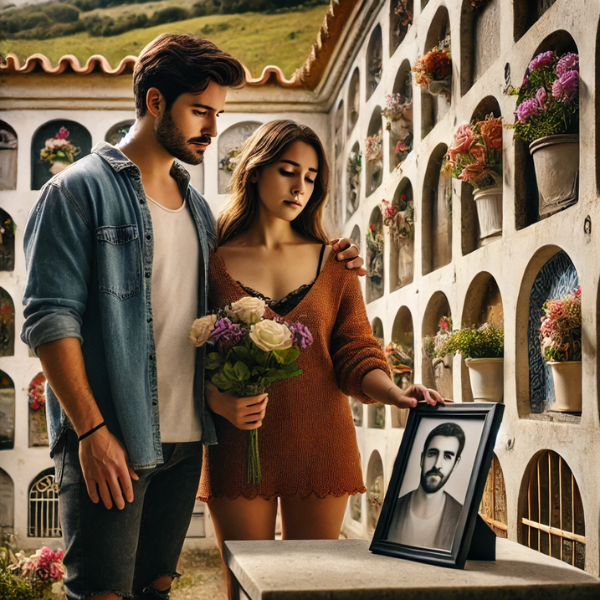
x,y
556,161
567,386
443,86
489,212
487,378
58,166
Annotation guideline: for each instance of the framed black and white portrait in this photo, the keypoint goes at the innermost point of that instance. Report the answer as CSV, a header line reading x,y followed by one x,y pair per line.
x,y
430,509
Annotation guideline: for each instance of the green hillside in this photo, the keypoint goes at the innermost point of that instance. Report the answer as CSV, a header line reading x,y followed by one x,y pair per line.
x,y
257,40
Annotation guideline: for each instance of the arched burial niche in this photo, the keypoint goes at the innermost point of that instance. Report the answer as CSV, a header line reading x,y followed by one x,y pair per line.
x,y
8,157
7,324
401,357
339,128
375,249
357,411
118,131
551,514
374,152
550,275
437,321
525,14
481,219
7,241
353,176
374,61
377,327
433,108
62,142
399,116
353,103
376,412
7,412
375,490
493,504
43,519
230,144
38,431
355,236
479,39
402,236
530,205
401,18
7,502
436,239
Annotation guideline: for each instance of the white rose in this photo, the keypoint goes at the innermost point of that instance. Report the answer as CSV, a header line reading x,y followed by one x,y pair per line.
x,y
269,335
201,329
248,310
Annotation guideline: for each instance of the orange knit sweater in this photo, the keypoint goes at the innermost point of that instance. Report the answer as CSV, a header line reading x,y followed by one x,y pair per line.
x,y
307,442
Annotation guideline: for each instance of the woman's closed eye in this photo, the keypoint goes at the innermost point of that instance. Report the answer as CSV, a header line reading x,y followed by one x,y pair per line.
x,y
291,174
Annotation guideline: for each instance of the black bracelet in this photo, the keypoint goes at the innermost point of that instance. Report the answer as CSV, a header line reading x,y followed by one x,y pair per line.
x,y
87,433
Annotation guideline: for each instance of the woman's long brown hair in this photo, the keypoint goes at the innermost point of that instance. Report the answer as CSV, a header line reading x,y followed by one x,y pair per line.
x,y
265,147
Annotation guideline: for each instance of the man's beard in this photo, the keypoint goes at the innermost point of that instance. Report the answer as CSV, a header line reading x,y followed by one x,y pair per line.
x,y
430,487
171,138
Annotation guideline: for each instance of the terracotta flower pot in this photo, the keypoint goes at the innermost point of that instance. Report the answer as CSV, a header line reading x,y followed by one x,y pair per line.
x,y
489,212
567,385
556,160
487,378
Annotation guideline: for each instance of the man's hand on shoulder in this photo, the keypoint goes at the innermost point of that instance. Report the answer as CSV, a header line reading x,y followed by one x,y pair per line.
x,y
347,250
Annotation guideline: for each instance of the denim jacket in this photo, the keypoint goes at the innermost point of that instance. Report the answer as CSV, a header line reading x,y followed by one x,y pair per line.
x,y
89,248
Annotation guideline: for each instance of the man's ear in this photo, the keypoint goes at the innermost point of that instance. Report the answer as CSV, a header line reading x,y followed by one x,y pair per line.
x,y
154,100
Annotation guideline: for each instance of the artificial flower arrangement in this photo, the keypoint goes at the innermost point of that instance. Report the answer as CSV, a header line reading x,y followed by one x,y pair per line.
x,y
399,114
375,247
230,160
7,319
248,354
548,99
560,331
434,69
354,169
59,151
434,345
402,12
399,217
475,155
37,393
401,362
374,147
486,341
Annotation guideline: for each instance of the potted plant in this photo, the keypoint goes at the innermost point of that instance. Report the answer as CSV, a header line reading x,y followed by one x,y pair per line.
x,y
59,151
434,348
548,119
434,70
374,156
560,338
475,157
483,351
354,169
398,216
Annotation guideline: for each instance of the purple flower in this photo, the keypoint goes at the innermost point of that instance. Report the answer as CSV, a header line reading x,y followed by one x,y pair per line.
x,y
226,334
569,62
540,96
301,335
527,109
566,86
541,60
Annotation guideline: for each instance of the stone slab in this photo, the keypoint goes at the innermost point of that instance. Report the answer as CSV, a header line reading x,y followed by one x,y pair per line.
x,y
345,569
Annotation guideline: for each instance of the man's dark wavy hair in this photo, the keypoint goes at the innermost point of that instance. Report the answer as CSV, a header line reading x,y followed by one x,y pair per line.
x,y
447,430
177,64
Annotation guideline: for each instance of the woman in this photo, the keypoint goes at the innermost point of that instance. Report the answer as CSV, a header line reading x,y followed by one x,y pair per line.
x,y
271,244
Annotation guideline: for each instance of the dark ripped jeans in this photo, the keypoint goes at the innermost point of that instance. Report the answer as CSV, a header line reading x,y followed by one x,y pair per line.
x,y
124,551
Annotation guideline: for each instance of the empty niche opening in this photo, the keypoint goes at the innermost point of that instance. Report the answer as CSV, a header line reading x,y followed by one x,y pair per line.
x,y
55,146
374,152
527,13
399,116
43,515
353,100
401,358
7,412
355,236
483,306
7,241
480,40
375,490
493,503
8,157
435,107
339,128
353,174
374,61
401,18
7,503
436,236
551,515
402,236
357,412
118,131
557,187
375,249
38,431
437,323
481,212
230,145
7,324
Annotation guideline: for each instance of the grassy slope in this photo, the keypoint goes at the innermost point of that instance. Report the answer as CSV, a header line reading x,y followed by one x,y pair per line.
x,y
256,39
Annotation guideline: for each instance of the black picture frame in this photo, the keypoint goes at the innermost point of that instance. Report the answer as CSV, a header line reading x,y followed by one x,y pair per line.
x,y
490,417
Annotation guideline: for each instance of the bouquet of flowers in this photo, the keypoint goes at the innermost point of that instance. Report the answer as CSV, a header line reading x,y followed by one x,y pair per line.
x,y
560,331
399,217
403,13
475,155
59,151
435,346
249,353
354,165
230,160
41,570
37,394
435,67
401,362
374,148
548,99
399,115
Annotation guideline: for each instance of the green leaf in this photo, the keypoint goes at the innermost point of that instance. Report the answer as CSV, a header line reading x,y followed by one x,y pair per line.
x,y
257,371
260,357
292,355
213,361
221,381
241,371
280,356
229,371
242,353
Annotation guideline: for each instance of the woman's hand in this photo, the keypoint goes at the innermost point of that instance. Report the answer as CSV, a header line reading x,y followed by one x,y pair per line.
x,y
409,397
243,413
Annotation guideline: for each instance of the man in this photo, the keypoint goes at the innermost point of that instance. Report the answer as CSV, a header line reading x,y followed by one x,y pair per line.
x,y
427,517
117,251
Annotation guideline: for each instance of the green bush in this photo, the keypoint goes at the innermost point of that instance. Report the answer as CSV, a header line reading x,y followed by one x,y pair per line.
x,y
485,342
171,14
35,19
61,13
14,588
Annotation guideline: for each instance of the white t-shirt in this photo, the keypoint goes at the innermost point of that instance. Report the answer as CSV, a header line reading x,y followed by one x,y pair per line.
x,y
420,532
174,309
